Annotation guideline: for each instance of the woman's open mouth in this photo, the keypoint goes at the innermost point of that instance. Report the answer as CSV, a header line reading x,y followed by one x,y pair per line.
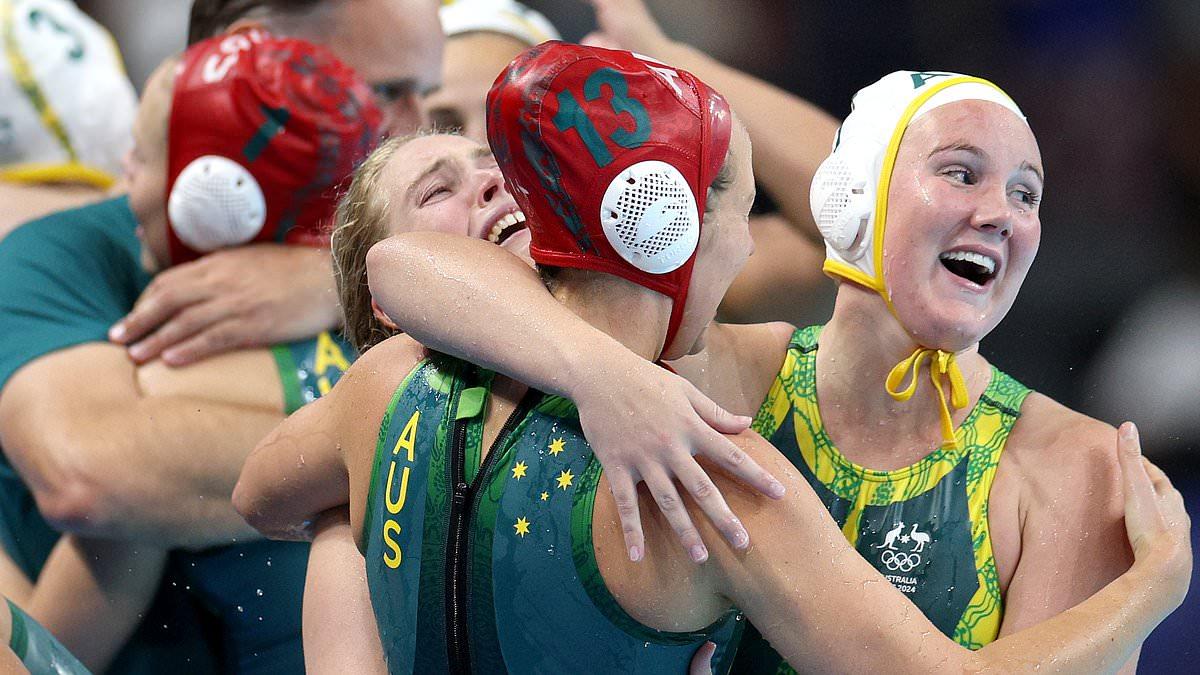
x,y
506,227
977,268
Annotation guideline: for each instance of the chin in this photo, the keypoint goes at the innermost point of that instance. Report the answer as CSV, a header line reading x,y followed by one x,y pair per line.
x,y
950,330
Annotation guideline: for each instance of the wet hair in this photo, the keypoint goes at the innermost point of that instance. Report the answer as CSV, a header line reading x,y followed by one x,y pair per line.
x,y
287,17
361,222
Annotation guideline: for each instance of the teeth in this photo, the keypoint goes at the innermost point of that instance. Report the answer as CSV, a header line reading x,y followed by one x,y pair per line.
x,y
503,224
978,258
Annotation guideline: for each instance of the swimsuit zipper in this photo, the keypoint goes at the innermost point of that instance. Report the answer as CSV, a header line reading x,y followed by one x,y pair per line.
x,y
457,642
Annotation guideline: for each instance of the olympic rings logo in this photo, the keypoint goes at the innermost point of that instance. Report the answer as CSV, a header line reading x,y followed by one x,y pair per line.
x,y
900,561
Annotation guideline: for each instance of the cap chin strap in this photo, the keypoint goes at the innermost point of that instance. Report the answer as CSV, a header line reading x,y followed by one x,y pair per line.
x,y
942,364
678,303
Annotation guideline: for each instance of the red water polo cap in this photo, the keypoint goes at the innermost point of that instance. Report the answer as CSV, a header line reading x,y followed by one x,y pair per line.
x,y
263,131
610,156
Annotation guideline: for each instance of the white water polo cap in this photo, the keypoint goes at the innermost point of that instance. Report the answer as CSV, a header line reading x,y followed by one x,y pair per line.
x,y
849,193
496,16
66,105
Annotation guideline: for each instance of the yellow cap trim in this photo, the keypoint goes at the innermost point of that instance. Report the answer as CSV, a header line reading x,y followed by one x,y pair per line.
x,y
889,164
23,74
71,172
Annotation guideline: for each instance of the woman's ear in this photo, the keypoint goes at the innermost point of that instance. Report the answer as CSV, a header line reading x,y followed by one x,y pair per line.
x,y
383,318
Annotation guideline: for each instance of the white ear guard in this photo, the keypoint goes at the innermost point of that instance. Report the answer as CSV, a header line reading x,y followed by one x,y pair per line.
x,y
650,218
842,197
216,203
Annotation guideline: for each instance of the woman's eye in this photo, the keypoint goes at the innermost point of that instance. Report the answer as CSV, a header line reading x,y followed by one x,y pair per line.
x,y
964,176
433,192
1027,198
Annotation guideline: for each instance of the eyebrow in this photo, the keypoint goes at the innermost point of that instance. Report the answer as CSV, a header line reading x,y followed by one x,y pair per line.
x,y
437,166
482,152
1026,166
958,145
975,150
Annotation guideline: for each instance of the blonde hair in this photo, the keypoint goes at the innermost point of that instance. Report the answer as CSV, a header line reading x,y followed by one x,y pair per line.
x,y
361,222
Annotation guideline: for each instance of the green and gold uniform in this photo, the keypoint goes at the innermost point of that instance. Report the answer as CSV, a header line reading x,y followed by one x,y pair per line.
x,y
924,526
488,565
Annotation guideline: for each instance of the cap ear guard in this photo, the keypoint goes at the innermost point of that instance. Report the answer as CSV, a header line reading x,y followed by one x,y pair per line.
x,y
649,217
842,198
216,203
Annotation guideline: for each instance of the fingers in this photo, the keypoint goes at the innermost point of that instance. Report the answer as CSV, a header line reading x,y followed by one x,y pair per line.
x,y
702,660
706,494
183,325
735,462
1142,517
216,338
714,415
160,301
624,493
1170,501
662,488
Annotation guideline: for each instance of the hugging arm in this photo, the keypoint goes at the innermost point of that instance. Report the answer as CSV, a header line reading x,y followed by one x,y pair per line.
x,y
302,468
643,422
340,633
811,594
103,460
93,593
249,296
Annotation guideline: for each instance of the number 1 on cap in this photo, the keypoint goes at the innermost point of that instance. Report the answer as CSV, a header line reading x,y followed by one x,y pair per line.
x,y
571,115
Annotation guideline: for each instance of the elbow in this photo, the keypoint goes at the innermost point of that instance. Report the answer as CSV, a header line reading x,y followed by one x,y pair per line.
x,y
76,502
259,513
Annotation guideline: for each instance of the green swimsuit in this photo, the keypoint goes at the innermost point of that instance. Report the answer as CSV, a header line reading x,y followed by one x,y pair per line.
x,y
924,526
489,566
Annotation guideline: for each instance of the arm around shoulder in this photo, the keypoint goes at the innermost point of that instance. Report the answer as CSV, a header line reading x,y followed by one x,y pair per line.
x,y
1071,525
304,467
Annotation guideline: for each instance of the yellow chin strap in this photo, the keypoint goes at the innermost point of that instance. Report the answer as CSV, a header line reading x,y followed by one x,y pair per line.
x,y
941,365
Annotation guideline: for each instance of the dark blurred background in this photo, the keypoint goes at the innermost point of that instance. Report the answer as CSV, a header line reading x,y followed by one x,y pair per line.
x,y
1109,319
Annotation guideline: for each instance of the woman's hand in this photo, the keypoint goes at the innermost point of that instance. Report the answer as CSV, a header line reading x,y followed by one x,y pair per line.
x,y
651,428
1157,523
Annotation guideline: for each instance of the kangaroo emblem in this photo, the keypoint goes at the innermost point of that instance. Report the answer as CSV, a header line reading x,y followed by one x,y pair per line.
x,y
889,540
921,538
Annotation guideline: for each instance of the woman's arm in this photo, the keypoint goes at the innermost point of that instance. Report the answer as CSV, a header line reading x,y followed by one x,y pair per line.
x,y
93,593
340,634
300,469
826,609
1044,522
478,302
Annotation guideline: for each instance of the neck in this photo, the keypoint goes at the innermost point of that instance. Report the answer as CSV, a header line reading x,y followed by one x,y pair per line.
x,y
608,302
860,345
